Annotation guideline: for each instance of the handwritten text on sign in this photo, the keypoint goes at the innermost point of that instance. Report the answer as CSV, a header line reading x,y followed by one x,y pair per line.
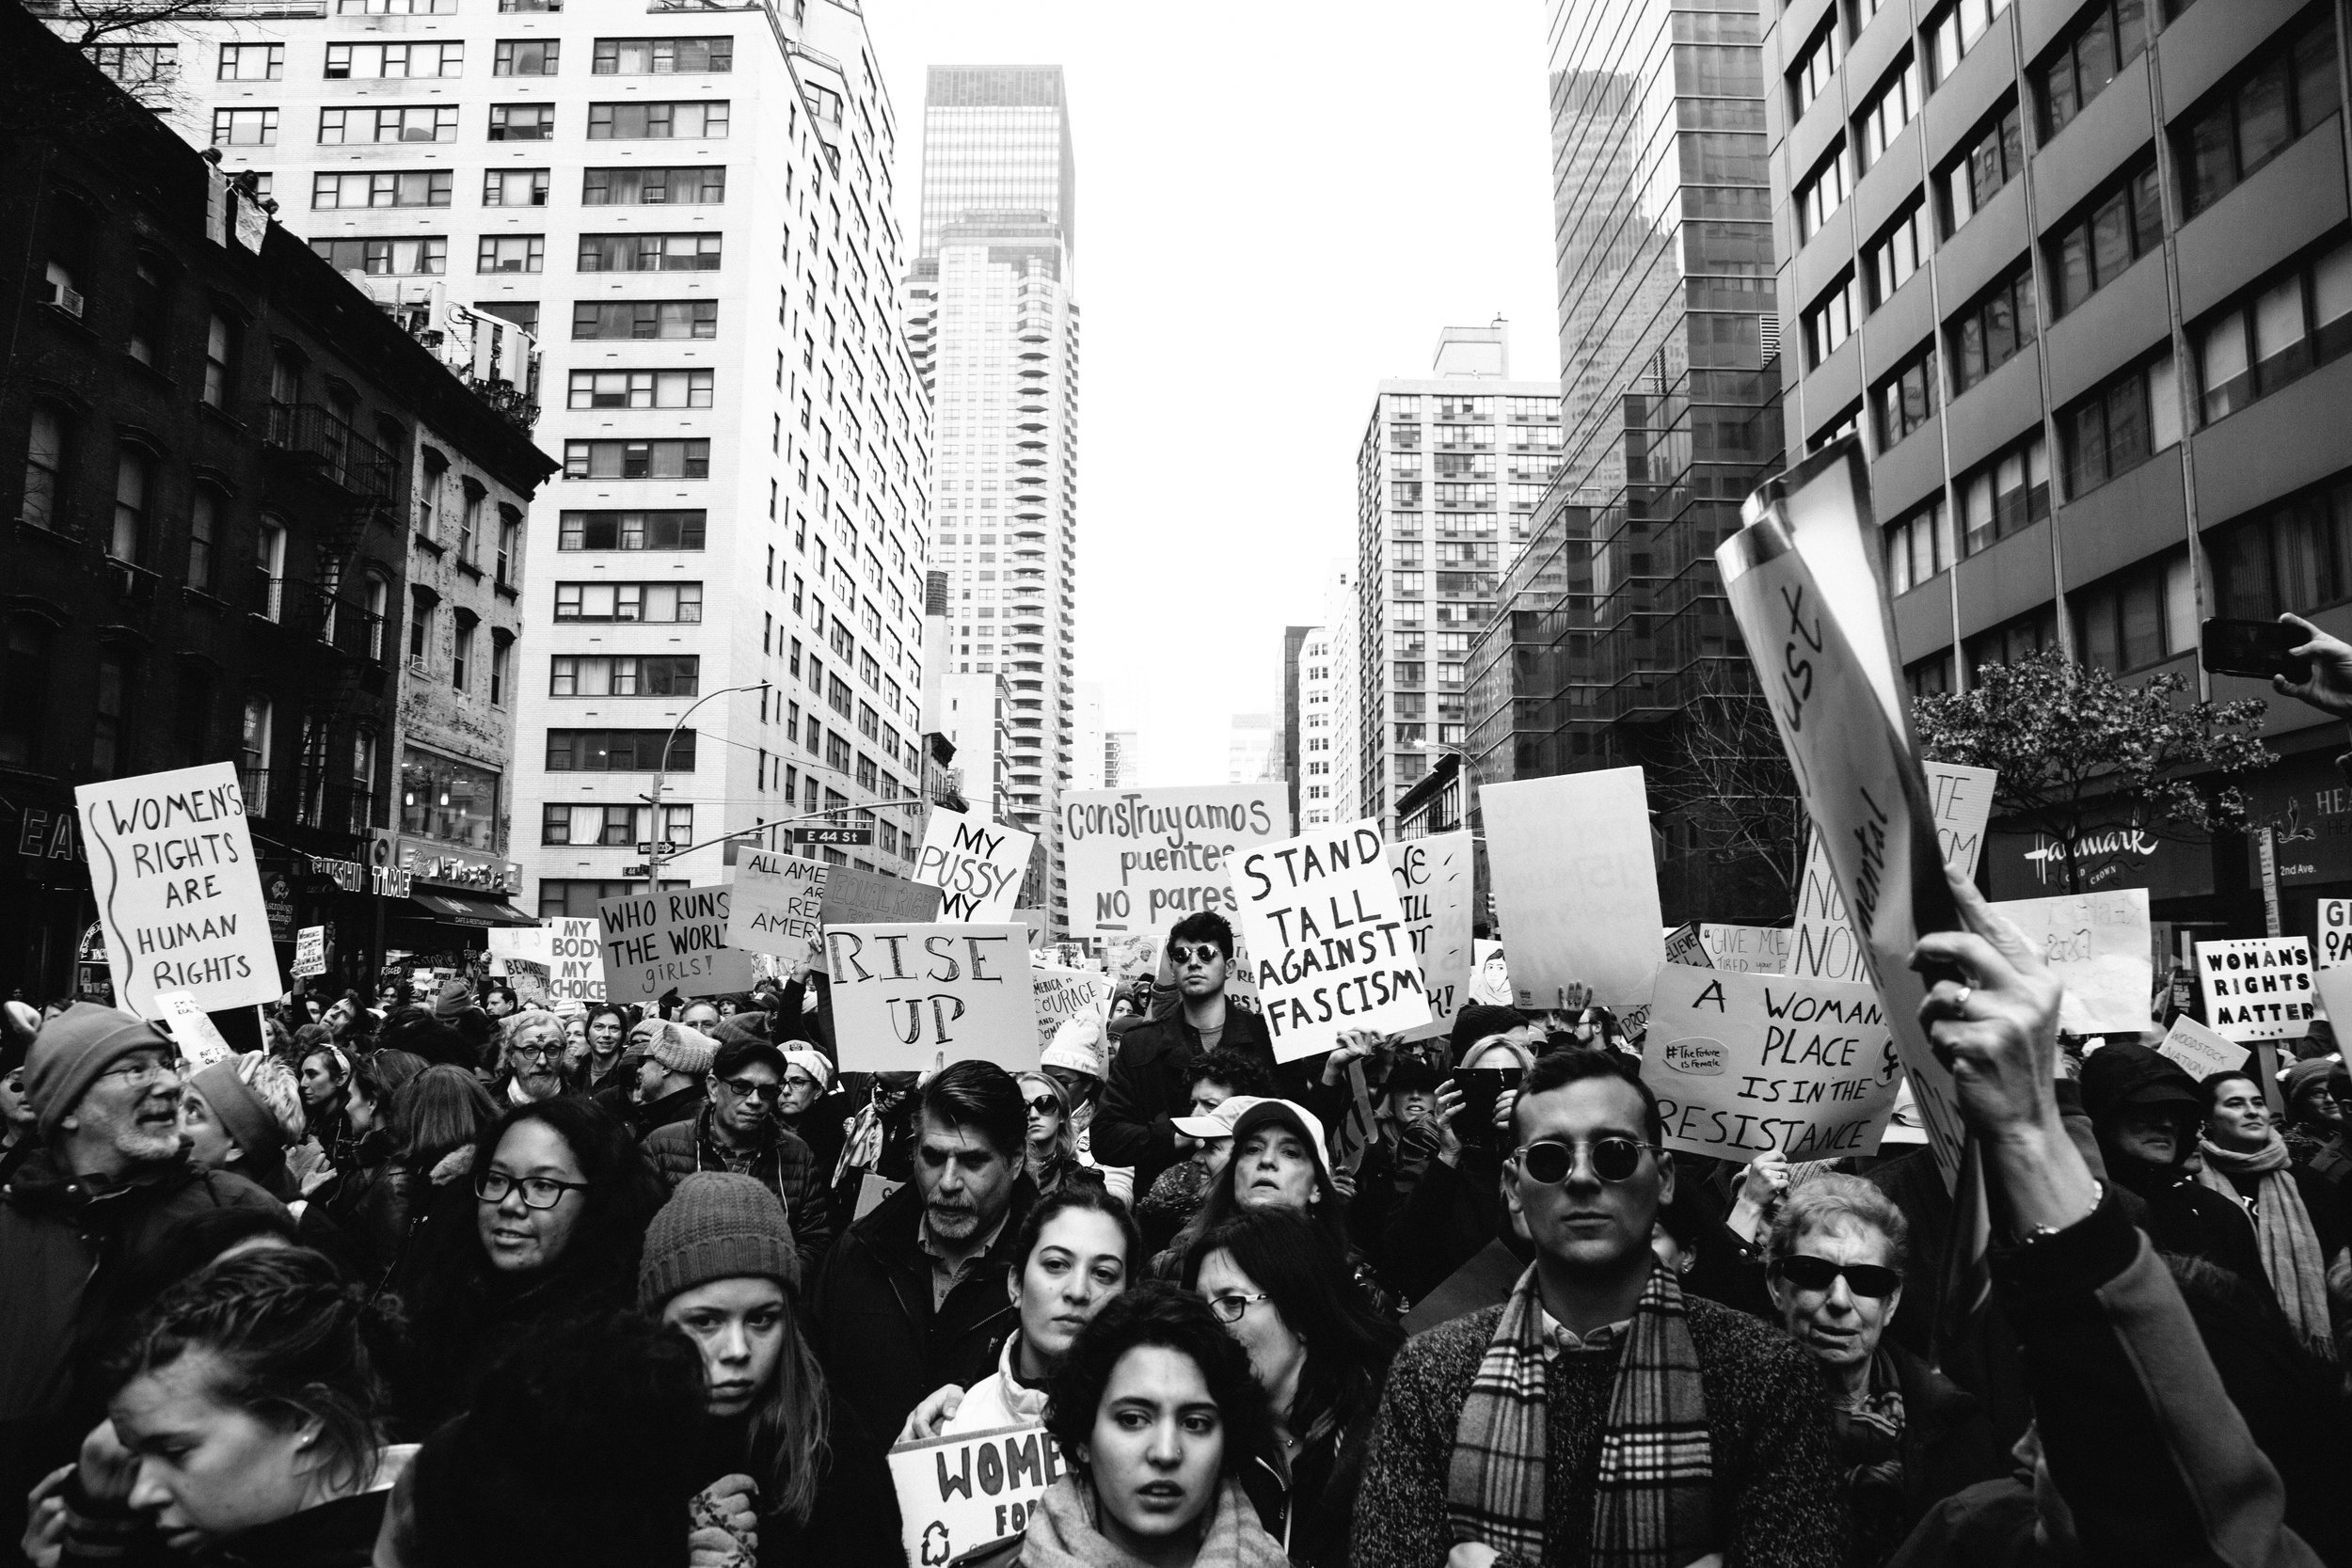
x,y
653,943
1141,860
1063,994
962,1492
171,864
1433,886
2258,989
1743,1063
2097,944
779,904
1750,949
2199,1051
976,864
906,996
1825,946
1322,917
2335,933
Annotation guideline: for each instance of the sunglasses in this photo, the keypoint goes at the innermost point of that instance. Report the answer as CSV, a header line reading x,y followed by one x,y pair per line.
x,y
1204,955
1549,1162
1045,1105
744,1088
1807,1272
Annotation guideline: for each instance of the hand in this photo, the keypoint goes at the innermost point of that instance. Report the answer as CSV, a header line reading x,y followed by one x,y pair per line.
x,y
1503,1103
1449,1106
1344,1182
1354,1046
798,970
1764,1183
1997,1033
45,1519
1470,1554
2329,690
107,1468
727,1503
305,1160
938,1408
709,1546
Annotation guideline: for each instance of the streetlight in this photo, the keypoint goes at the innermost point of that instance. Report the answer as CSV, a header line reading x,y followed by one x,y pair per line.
x,y
653,857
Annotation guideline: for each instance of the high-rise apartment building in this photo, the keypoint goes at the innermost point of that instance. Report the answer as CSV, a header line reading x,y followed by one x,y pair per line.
x,y
1447,478
2080,280
1344,617
1293,643
1122,759
1319,681
993,324
741,527
1613,622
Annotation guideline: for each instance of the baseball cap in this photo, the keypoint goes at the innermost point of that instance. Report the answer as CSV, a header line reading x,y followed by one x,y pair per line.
x,y
1218,1122
1290,1116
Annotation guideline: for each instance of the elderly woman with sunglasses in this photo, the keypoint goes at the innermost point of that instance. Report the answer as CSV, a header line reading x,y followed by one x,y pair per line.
x,y
1908,1436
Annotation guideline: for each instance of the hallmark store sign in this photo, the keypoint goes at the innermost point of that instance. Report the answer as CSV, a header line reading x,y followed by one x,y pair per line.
x,y
2033,866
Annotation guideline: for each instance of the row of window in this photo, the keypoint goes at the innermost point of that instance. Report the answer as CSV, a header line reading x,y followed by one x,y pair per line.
x,y
623,674
258,127
612,827
663,57
427,255
652,602
623,459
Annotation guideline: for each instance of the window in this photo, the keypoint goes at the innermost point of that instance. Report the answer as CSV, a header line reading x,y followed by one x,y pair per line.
x,y
645,317
107,714
663,57
1888,260
2294,556
2265,339
630,530
363,780
510,545
2097,245
1817,65
501,653
1994,327
642,389
2007,644
205,510
253,754
2291,87
637,459
1821,193
422,605
2119,425
44,469
379,604
150,312
253,62
25,680
2137,617
1829,323
1953,30
569,896
1891,107
2078,67
511,253
461,650
340,126
135,483
623,676
653,187
514,187
1905,401
526,57
424,187
245,126
269,568
1918,546
1992,159
138,66
447,801
657,122
679,602
648,252
469,525
424,257
618,750
2004,495
394,8
372,60
522,121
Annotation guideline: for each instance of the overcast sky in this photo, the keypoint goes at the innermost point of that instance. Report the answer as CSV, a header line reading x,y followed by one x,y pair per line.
x,y
1278,206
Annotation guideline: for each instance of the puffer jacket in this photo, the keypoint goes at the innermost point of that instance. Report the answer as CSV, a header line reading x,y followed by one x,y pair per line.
x,y
782,1162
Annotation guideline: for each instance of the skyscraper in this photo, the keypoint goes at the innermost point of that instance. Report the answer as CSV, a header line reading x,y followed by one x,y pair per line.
x,y
993,323
1319,682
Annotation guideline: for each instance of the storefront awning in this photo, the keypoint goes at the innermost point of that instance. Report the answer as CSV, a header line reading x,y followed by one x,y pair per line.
x,y
465,908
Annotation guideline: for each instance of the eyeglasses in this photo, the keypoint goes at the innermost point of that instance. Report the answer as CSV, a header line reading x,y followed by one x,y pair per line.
x,y
746,1088
1045,1105
538,1052
539,1191
1228,1309
1549,1162
1809,1273
799,1080
1182,955
141,1071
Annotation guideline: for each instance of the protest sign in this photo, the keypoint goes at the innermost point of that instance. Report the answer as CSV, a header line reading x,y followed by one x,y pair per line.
x,y
530,982
1824,942
976,865
2098,945
310,952
854,898
172,866
1321,915
2258,988
1743,1063
1685,946
2199,1051
532,943
1490,977
2335,934
1575,885
908,997
1749,949
779,904
1141,860
653,943
958,1492
574,971
1434,884
1063,994
191,1030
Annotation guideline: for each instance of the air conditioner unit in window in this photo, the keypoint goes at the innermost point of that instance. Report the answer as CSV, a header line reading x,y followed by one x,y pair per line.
x,y
66,299
510,266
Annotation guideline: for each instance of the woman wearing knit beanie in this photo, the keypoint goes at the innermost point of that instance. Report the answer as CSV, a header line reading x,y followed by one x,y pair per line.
x,y
720,1266
244,1114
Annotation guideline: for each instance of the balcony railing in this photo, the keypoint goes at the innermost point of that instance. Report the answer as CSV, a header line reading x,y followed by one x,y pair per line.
x,y
254,783
346,458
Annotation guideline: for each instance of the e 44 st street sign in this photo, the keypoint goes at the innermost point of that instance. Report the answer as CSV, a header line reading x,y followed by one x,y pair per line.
x,y
832,835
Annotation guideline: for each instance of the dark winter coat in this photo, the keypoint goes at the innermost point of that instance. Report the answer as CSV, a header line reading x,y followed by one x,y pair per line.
x,y
1151,1084
782,1163
369,1206
1310,1507
855,1522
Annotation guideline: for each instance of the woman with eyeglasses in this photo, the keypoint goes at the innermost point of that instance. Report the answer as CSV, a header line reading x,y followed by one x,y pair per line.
x,y
559,1199
1053,1147
1908,1438
1320,1354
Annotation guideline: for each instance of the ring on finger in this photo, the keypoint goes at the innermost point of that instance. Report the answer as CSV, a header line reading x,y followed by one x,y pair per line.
x,y
1960,1000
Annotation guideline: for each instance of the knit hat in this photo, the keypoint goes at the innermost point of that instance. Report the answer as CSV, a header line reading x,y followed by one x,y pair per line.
x,y
716,1225
2305,1076
454,998
750,1024
1077,1046
1478,1021
73,1049
683,1050
242,1112
814,1063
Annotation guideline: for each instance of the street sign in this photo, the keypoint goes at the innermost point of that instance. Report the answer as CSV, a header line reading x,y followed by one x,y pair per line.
x,y
637,871
832,835
665,848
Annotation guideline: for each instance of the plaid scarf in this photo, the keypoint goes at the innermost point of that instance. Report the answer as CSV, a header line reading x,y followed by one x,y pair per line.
x,y
1656,1500
2282,1233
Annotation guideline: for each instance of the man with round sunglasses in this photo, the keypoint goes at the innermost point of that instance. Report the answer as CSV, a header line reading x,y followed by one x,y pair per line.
x,y
1599,1415
738,1131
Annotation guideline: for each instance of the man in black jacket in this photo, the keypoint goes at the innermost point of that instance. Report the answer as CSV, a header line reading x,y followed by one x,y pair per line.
x,y
914,1293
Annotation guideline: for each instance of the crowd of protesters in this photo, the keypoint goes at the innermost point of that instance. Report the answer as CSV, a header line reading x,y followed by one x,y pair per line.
x,y
447,1281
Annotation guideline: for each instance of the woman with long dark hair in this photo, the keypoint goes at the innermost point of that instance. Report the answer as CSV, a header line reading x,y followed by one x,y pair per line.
x,y
1321,1355
368,1199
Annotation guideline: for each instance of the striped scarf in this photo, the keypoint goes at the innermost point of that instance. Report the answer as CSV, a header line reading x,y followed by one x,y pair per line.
x,y
2282,1233
1657,1499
